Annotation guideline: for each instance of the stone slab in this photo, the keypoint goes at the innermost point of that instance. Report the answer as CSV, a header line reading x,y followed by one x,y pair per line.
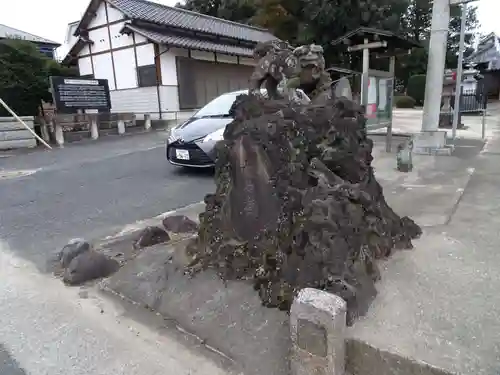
x,y
15,135
10,123
226,316
15,144
430,192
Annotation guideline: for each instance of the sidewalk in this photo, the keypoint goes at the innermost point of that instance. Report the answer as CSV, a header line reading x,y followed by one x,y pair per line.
x,y
50,329
409,121
438,305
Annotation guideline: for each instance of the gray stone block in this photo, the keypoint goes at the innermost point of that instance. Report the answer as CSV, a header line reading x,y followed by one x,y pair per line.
x,y
317,328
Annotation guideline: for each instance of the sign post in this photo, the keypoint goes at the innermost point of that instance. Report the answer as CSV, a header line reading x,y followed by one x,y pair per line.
x,y
71,94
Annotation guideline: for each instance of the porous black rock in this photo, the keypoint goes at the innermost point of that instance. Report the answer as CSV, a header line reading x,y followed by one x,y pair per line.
x,y
151,236
72,249
179,224
89,265
297,204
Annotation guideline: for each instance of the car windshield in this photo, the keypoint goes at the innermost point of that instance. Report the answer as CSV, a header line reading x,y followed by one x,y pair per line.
x,y
219,107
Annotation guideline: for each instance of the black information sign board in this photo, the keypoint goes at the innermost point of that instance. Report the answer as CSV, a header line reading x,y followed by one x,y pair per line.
x,y
75,93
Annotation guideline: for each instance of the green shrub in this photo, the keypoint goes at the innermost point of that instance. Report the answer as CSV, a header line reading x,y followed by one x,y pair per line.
x,y
416,88
404,102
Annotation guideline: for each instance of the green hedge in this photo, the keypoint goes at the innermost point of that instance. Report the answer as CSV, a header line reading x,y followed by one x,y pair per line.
x,y
416,88
404,102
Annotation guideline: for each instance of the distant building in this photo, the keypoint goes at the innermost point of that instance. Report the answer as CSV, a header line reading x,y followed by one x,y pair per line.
x,y
69,41
160,59
45,46
486,59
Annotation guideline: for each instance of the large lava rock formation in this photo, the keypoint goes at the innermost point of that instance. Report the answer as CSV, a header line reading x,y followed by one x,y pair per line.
x,y
297,204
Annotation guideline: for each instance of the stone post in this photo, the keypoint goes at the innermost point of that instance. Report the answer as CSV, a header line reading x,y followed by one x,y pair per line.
x,y
317,328
59,134
147,121
44,130
94,130
121,125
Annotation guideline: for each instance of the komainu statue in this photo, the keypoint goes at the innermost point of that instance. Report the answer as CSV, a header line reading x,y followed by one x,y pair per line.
x,y
297,203
300,68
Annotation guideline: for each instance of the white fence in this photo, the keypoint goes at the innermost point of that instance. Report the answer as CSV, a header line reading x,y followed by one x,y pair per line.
x,y
14,135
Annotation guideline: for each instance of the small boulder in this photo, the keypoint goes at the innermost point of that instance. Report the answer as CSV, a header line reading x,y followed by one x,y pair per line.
x,y
151,236
89,265
179,224
74,248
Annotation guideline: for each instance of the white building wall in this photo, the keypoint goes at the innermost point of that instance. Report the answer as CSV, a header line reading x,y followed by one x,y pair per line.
x,y
202,55
85,50
119,40
247,61
138,100
126,74
100,16
228,59
169,66
114,14
85,66
100,38
145,54
103,68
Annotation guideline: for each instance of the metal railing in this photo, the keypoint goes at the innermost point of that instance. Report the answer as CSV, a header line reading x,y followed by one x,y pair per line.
x,y
471,102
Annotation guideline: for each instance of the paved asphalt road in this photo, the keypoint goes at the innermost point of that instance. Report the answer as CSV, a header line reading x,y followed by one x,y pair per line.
x,y
49,329
84,190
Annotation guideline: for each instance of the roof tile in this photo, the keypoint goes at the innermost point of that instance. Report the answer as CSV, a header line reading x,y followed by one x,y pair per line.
x,y
176,17
186,42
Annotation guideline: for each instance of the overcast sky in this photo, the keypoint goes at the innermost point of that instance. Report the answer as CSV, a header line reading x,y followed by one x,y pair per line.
x,y
49,18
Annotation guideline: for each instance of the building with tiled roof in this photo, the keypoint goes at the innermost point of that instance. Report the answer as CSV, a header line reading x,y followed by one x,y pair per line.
x,y
486,59
160,59
45,46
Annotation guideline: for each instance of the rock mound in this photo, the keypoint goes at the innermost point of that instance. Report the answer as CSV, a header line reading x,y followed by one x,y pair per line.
x,y
151,236
179,224
297,204
78,262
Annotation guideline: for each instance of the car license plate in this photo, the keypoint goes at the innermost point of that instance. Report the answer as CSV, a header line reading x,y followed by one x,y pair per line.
x,y
182,154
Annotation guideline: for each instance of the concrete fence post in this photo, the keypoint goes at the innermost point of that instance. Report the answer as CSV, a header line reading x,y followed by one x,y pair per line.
x,y
94,130
317,328
147,121
121,125
59,134
44,129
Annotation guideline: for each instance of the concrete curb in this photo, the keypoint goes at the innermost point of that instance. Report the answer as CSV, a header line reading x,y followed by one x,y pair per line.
x,y
195,307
